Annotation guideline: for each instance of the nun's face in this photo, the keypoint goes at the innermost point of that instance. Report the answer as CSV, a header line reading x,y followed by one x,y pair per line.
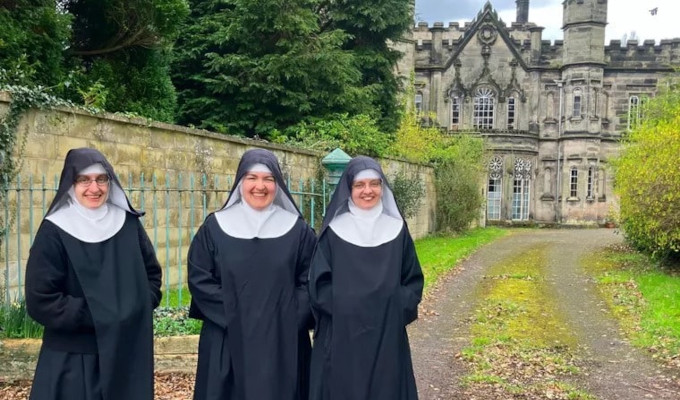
x,y
366,193
91,190
258,189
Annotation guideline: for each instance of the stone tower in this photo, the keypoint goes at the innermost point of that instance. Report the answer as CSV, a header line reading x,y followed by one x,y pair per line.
x,y
580,144
583,62
584,23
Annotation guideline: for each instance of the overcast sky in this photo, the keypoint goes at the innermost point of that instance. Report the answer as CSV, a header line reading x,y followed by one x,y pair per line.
x,y
624,16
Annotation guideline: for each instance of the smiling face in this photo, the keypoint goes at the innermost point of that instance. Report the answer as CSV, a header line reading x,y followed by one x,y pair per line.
x,y
366,193
258,189
91,190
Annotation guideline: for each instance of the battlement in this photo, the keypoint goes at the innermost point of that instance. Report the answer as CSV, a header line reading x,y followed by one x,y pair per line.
x,y
424,32
646,54
646,46
424,26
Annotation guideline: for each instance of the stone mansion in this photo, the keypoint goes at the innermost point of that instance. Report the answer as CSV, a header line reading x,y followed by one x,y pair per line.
x,y
553,114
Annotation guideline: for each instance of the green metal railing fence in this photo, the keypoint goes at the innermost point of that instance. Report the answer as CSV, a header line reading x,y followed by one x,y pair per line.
x,y
175,206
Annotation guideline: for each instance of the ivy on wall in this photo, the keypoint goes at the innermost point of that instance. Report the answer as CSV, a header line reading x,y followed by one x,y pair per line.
x,y
22,99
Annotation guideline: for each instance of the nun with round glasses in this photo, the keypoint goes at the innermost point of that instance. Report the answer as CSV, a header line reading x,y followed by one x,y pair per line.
x,y
92,280
365,285
248,271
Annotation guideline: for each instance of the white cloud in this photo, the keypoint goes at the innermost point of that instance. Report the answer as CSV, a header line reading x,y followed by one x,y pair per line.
x,y
624,16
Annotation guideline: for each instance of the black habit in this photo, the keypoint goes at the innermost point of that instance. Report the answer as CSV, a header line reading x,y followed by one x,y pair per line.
x,y
362,298
252,295
95,301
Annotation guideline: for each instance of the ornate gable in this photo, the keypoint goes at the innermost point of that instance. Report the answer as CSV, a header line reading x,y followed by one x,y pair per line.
x,y
488,28
486,32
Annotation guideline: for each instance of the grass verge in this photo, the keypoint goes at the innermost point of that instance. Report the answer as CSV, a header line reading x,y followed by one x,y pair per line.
x,y
644,296
439,254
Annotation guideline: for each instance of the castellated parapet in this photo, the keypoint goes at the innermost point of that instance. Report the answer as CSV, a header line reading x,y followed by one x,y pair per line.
x,y
633,54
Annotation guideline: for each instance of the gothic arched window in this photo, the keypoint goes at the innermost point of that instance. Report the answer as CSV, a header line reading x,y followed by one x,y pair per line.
x,y
483,112
635,111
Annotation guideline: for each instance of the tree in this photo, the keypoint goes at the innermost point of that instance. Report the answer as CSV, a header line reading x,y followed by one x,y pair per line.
x,y
124,47
648,178
252,67
109,53
357,135
33,37
372,25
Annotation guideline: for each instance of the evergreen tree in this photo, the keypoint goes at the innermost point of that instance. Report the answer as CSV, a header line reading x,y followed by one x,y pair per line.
x,y
372,25
113,54
32,42
252,67
123,47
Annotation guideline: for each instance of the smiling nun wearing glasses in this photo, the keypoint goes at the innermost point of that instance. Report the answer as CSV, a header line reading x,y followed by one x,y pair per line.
x,y
92,280
248,270
365,285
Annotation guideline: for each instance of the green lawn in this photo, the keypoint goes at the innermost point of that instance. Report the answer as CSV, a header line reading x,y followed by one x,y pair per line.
x,y
439,254
175,298
644,296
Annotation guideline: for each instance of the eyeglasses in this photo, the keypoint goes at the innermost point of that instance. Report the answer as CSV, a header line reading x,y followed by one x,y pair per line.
x,y
84,181
373,184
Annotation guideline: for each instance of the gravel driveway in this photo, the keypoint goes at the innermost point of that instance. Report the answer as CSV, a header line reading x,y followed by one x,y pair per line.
x,y
614,370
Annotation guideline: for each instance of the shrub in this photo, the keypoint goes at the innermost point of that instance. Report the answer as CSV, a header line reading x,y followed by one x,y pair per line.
x,y
458,172
408,193
648,178
355,135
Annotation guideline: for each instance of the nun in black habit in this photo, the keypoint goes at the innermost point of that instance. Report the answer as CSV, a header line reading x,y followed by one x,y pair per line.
x,y
248,271
92,280
365,285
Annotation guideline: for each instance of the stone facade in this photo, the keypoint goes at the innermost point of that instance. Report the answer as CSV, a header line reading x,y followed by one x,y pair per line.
x,y
169,162
553,113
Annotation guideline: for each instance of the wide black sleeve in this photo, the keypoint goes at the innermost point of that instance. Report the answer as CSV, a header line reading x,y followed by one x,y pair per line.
x,y
411,280
204,283
305,250
51,299
153,267
320,274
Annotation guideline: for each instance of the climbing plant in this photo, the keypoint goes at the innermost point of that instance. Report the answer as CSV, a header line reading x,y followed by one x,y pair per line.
x,y
22,99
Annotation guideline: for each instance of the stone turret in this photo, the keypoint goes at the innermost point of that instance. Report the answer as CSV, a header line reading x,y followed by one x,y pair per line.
x,y
584,24
583,59
522,11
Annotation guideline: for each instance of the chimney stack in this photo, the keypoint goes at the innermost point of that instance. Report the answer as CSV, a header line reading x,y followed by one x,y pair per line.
x,y
522,11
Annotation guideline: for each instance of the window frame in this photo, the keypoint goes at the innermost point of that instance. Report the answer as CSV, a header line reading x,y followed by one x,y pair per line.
x,y
418,103
455,111
577,112
512,113
493,203
573,183
483,114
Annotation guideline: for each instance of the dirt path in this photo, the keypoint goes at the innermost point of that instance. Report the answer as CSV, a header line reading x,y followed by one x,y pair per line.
x,y
613,369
